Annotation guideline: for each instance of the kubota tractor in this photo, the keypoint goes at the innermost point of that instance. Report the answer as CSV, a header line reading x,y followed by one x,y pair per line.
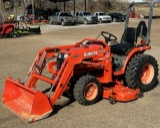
x,y
87,70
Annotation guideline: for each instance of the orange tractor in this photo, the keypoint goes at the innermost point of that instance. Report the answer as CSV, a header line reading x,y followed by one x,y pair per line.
x,y
86,71
6,30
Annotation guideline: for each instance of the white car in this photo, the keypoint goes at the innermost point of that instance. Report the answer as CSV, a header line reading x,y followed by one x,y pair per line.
x,y
103,17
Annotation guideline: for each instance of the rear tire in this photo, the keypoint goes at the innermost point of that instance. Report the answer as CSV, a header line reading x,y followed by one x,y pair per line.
x,y
63,23
87,90
114,20
50,22
85,22
6,35
142,72
73,23
18,34
100,20
11,34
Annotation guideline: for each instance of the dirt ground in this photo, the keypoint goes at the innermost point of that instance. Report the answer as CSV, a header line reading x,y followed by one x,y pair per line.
x,y
17,54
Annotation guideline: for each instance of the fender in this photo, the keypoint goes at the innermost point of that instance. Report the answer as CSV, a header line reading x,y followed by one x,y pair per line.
x,y
133,52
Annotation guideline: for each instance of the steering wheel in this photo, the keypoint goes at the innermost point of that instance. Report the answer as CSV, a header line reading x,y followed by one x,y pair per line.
x,y
108,38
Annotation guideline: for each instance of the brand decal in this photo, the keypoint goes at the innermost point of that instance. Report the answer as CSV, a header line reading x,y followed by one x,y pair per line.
x,y
92,53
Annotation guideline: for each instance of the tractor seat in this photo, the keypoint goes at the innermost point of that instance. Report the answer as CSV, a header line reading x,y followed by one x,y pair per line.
x,y
127,42
141,29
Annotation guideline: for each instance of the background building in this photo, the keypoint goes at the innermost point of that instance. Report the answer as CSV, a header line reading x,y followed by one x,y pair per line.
x,y
133,0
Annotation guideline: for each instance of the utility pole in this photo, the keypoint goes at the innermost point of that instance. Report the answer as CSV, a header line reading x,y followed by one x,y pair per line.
x,y
16,11
1,14
85,5
1,6
33,9
74,6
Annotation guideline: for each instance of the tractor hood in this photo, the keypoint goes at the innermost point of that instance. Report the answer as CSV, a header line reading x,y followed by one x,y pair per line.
x,y
83,49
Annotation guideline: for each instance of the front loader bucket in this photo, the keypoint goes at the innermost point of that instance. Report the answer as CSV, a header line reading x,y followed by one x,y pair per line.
x,y
27,103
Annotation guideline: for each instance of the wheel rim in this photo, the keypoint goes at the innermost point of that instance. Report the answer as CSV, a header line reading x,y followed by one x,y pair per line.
x,y
147,74
91,91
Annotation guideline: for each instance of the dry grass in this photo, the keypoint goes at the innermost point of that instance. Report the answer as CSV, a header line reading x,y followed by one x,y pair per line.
x,y
145,10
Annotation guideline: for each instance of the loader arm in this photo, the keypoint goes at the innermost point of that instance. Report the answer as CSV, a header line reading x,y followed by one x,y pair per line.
x,y
62,77
39,64
31,104
62,80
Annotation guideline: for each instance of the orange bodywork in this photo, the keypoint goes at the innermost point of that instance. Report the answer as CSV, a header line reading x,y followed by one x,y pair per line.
x,y
80,58
121,93
6,29
29,104
134,51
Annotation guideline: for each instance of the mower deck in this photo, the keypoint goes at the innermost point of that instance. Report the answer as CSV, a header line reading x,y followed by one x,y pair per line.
x,y
121,93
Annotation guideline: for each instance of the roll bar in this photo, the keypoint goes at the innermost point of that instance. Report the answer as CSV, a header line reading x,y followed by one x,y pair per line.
x,y
149,20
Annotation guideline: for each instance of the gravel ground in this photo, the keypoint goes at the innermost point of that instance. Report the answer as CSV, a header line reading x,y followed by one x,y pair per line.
x,y
17,54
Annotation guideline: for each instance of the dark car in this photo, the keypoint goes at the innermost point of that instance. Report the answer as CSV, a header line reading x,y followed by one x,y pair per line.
x,y
117,17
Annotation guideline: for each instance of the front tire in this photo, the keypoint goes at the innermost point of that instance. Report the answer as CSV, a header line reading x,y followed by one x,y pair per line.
x,y
114,20
87,90
142,72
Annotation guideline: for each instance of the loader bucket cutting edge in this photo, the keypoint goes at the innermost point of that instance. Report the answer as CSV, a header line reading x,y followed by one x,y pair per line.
x,y
27,103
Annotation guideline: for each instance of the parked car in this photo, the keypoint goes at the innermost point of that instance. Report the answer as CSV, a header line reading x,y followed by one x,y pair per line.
x,y
103,17
62,18
86,17
117,17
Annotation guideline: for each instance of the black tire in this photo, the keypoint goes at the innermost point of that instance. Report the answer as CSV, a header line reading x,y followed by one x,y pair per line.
x,y
95,22
11,34
142,72
100,20
87,90
85,21
73,23
18,34
6,35
50,22
63,23
69,93
114,20
112,100
140,95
